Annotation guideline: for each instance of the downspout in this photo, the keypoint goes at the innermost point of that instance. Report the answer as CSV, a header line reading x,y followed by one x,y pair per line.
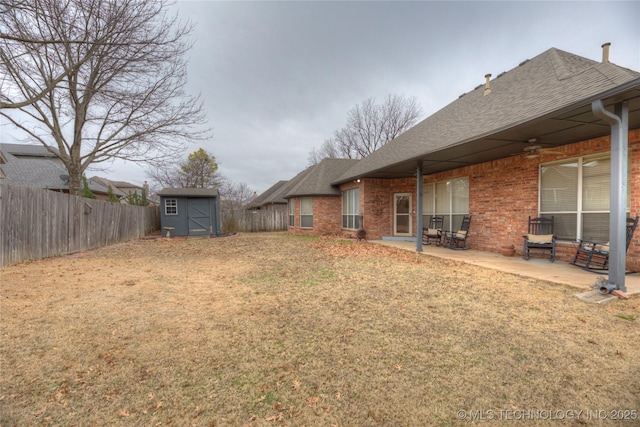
x,y
419,224
619,123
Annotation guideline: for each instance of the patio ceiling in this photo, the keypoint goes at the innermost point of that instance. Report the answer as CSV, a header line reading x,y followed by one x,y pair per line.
x,y
573,124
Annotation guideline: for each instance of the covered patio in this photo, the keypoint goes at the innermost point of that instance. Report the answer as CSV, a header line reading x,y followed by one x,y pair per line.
x,y
558,103
556,272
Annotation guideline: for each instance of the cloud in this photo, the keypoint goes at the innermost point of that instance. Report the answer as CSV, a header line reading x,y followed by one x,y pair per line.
x,y
278,78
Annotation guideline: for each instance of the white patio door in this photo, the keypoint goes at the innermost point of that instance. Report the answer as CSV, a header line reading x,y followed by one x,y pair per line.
x,y
402,214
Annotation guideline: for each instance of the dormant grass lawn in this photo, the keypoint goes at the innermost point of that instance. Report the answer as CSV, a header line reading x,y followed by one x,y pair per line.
x,y
273,329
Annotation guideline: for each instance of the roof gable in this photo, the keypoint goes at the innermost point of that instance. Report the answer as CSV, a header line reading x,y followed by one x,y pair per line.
x,y
273,194
317,181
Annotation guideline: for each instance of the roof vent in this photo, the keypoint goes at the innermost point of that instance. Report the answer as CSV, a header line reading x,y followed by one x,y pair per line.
x,y
487,89
605,52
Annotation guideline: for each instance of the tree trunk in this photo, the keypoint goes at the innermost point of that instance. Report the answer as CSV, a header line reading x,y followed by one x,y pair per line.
x,y
75,181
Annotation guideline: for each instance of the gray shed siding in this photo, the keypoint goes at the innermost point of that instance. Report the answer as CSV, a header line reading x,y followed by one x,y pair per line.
x,y
195,216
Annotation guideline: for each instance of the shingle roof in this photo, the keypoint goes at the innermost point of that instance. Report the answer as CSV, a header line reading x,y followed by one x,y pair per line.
x,y
552,81
35,166
189,192
125,184
116,186
273,194
317,179
27,150
35,173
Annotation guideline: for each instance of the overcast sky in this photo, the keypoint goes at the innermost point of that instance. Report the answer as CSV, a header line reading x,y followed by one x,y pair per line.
x,y
278,78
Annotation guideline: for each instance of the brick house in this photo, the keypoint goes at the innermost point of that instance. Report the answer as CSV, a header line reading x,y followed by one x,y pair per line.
x,y
536,140
314,204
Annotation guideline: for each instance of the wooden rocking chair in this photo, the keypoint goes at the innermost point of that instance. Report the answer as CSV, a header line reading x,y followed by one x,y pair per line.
x,y
458,239
540,238
434,231
594,256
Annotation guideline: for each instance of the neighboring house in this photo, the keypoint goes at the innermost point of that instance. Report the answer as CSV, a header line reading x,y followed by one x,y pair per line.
x,y
35,166
122,188
190,211
271,199
532,141
106,183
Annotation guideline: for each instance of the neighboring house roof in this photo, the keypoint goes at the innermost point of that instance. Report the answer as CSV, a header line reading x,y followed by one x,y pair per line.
x,y
35,166
32,166
318,178
188,192
272,195
97,187
119,187
106,183
479,127
124,184
28,150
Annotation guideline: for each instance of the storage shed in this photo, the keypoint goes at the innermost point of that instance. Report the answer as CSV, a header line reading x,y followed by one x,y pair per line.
x,y
190,211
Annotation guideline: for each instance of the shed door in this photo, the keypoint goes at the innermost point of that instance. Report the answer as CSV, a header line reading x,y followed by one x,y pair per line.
x,y
199,213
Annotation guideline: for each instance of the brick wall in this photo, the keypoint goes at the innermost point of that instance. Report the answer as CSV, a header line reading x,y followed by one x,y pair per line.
x,y
327,216
502,195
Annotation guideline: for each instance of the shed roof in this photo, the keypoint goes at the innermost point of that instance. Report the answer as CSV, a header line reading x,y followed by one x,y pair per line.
x,y
548,98
188,192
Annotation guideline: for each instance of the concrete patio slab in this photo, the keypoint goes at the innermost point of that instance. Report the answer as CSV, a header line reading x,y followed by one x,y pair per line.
x,y
557,272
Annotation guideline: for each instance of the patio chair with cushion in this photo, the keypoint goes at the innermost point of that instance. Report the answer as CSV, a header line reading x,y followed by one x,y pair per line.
x,y
434,231
458,239
540,238
594,256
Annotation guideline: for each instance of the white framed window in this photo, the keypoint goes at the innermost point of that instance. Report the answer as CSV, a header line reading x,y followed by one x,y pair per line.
x,y
577,194
449,199
292,210
351,208
171,206
306,212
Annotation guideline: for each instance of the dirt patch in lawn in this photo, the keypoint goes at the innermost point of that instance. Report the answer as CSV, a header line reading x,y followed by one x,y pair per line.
x,y
274,329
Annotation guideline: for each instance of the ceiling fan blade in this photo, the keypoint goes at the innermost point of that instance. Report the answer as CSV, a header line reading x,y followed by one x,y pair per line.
x,y
550,151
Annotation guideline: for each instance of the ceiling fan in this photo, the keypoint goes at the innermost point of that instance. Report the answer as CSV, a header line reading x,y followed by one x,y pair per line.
x,y
533,150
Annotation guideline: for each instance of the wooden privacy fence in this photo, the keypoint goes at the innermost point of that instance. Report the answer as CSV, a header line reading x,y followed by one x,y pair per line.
x,y
247,221
38,223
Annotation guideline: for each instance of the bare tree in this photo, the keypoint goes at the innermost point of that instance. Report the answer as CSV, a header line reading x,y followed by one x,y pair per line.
x,y
97,80
199,170
235,195
26,44
369,127
328,150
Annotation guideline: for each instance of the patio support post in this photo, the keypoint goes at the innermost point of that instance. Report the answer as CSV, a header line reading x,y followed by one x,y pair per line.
x,y
619,123
419,224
